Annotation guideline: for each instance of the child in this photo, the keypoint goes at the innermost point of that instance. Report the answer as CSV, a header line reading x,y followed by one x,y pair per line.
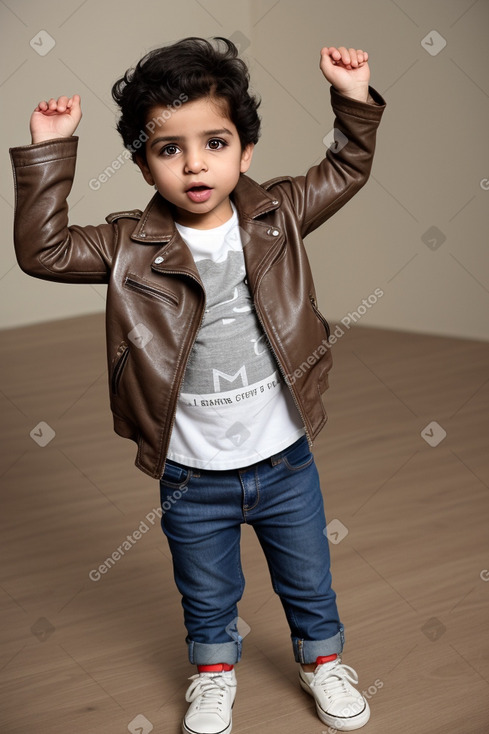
x,y
217,352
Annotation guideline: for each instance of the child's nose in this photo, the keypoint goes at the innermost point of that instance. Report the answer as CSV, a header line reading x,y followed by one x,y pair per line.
x,y
195,161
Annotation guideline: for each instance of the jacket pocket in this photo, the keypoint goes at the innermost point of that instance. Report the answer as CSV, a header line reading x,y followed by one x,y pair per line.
x,y
118,365
144,288
319,314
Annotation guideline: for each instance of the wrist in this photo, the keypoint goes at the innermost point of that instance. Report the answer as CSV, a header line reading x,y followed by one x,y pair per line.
x,y
44,138
360,93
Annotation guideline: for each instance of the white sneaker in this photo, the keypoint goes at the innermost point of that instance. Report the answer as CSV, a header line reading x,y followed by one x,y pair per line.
x,y
211,697
338,704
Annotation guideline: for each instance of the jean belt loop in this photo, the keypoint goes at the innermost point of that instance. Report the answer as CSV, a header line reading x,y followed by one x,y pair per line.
x,y
275,459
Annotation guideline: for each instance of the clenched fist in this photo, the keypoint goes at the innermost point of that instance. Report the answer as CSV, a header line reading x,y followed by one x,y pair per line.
x,y
347,70
55,119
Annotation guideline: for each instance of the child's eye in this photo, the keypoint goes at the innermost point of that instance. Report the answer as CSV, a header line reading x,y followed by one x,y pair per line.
x,y
216,143
169,150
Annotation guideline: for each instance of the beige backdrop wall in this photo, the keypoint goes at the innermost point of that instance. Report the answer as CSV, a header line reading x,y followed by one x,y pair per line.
x,y
418,231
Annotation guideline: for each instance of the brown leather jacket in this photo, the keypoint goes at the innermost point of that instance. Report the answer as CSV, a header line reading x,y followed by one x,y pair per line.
x,y
156,300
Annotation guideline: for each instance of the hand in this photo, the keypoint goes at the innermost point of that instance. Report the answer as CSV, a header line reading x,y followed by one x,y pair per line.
x,y
55,119
347,70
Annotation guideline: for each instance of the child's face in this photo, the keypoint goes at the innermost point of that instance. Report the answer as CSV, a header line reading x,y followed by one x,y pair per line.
x,y
195,159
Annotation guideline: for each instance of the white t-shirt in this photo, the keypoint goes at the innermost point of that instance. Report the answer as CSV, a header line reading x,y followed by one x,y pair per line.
x,y
234,408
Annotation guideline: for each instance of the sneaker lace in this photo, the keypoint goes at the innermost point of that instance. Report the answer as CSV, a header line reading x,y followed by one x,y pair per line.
x,y
335,679
211,689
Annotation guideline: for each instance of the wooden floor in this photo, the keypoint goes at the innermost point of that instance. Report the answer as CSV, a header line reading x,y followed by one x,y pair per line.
x,y
410,561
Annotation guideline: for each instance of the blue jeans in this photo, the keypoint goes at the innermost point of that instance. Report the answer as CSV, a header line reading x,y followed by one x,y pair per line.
x,y
202,516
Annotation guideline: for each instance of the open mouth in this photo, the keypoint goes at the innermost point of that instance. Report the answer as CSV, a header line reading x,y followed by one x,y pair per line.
x,y
199,193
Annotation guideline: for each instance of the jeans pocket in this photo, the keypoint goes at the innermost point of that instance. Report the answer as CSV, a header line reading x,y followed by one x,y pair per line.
x,y
298,456
175,475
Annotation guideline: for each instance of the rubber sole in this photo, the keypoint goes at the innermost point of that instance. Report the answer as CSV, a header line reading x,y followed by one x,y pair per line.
x,y
226,730
355,722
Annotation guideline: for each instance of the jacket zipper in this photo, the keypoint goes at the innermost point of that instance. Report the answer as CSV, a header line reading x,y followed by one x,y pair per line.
x,y
118,369
319,315
283,375
176,272
147,289
281,370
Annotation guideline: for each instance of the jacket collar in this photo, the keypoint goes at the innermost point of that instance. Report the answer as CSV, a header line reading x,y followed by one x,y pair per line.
x,y
157,225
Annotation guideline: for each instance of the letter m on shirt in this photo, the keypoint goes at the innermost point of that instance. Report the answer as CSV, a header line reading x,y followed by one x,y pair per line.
x,y
241,373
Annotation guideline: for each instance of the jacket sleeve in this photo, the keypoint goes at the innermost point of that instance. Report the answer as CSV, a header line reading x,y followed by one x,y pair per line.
x,y
326,187
46,247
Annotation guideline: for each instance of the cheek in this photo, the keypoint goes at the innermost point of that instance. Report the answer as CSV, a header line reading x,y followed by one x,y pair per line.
x,y
164,174
235,166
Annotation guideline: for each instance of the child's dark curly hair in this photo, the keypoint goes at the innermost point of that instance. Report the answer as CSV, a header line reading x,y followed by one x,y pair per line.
x,y
190,69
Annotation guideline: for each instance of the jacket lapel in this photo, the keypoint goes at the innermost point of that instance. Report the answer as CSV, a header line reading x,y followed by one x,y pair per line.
x,y
156,226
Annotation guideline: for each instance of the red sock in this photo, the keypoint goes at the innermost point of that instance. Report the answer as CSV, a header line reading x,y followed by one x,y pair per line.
x,y
325,659
217,668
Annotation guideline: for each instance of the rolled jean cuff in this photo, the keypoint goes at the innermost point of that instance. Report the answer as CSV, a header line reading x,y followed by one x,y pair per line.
x,y
200,653
307,651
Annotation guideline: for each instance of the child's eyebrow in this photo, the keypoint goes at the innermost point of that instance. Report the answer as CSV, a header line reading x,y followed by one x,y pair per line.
x,y
180,138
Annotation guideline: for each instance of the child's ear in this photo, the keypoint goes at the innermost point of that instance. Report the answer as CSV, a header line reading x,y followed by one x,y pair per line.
x,y
246,157
145,170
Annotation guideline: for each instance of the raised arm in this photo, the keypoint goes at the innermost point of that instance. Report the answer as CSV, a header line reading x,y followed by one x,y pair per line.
x,y
346,167
46,247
